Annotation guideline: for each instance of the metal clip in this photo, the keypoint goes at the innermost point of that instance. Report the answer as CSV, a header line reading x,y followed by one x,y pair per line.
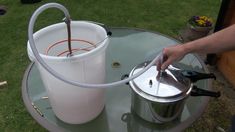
x,y
44,97
66,20
38,111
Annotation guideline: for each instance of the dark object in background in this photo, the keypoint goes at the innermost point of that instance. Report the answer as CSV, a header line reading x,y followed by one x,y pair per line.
x,y
233,124
3,10
211,59
30,1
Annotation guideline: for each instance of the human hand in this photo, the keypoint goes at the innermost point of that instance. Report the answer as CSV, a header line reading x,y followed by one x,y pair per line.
x,y
170,55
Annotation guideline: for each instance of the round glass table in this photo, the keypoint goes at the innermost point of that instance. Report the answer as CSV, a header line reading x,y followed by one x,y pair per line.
x,y
128,47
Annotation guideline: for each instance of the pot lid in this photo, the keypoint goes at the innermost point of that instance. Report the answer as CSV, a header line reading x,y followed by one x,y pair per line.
x,y
171,83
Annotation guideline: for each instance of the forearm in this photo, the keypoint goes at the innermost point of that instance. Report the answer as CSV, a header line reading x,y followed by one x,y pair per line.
x,y
221,41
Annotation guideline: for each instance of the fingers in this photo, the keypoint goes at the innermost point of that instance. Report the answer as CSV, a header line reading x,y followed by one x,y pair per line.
x,y
158,64
165,64
169,55
161,59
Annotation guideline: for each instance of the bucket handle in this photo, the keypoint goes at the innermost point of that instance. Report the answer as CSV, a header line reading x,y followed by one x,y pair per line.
x,y
56,74
109,33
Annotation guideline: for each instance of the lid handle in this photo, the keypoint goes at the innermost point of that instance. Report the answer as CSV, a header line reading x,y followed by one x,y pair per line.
x,y
201,92
195,76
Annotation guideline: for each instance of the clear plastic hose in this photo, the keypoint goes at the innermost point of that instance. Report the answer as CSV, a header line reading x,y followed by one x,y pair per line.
x,y
59,76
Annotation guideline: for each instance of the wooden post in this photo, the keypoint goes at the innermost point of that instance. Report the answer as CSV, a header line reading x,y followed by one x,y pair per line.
x,y
226,61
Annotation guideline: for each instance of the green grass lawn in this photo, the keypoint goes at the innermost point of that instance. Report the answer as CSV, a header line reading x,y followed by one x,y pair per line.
x,y
165,16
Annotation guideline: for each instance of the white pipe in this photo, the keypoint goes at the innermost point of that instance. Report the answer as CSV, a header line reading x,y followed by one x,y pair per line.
x,y
59,76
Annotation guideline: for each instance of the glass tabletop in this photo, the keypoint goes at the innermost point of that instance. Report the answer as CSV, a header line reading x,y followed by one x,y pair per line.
x,y
128,48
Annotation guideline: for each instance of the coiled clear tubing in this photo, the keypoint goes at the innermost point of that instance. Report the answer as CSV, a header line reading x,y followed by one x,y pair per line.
x,y
59,76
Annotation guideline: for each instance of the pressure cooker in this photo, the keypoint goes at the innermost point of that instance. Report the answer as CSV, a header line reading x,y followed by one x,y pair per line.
x,y
159,96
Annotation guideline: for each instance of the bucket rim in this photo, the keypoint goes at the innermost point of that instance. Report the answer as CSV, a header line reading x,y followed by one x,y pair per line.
x,y
103,43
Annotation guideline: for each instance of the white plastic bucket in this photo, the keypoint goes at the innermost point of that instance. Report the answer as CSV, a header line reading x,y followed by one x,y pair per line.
x,y
73,104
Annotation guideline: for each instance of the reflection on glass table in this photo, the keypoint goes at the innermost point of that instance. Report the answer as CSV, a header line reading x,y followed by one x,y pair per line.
x,y
127,48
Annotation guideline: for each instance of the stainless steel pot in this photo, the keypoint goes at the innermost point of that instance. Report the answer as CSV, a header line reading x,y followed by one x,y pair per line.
x,y
160,97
